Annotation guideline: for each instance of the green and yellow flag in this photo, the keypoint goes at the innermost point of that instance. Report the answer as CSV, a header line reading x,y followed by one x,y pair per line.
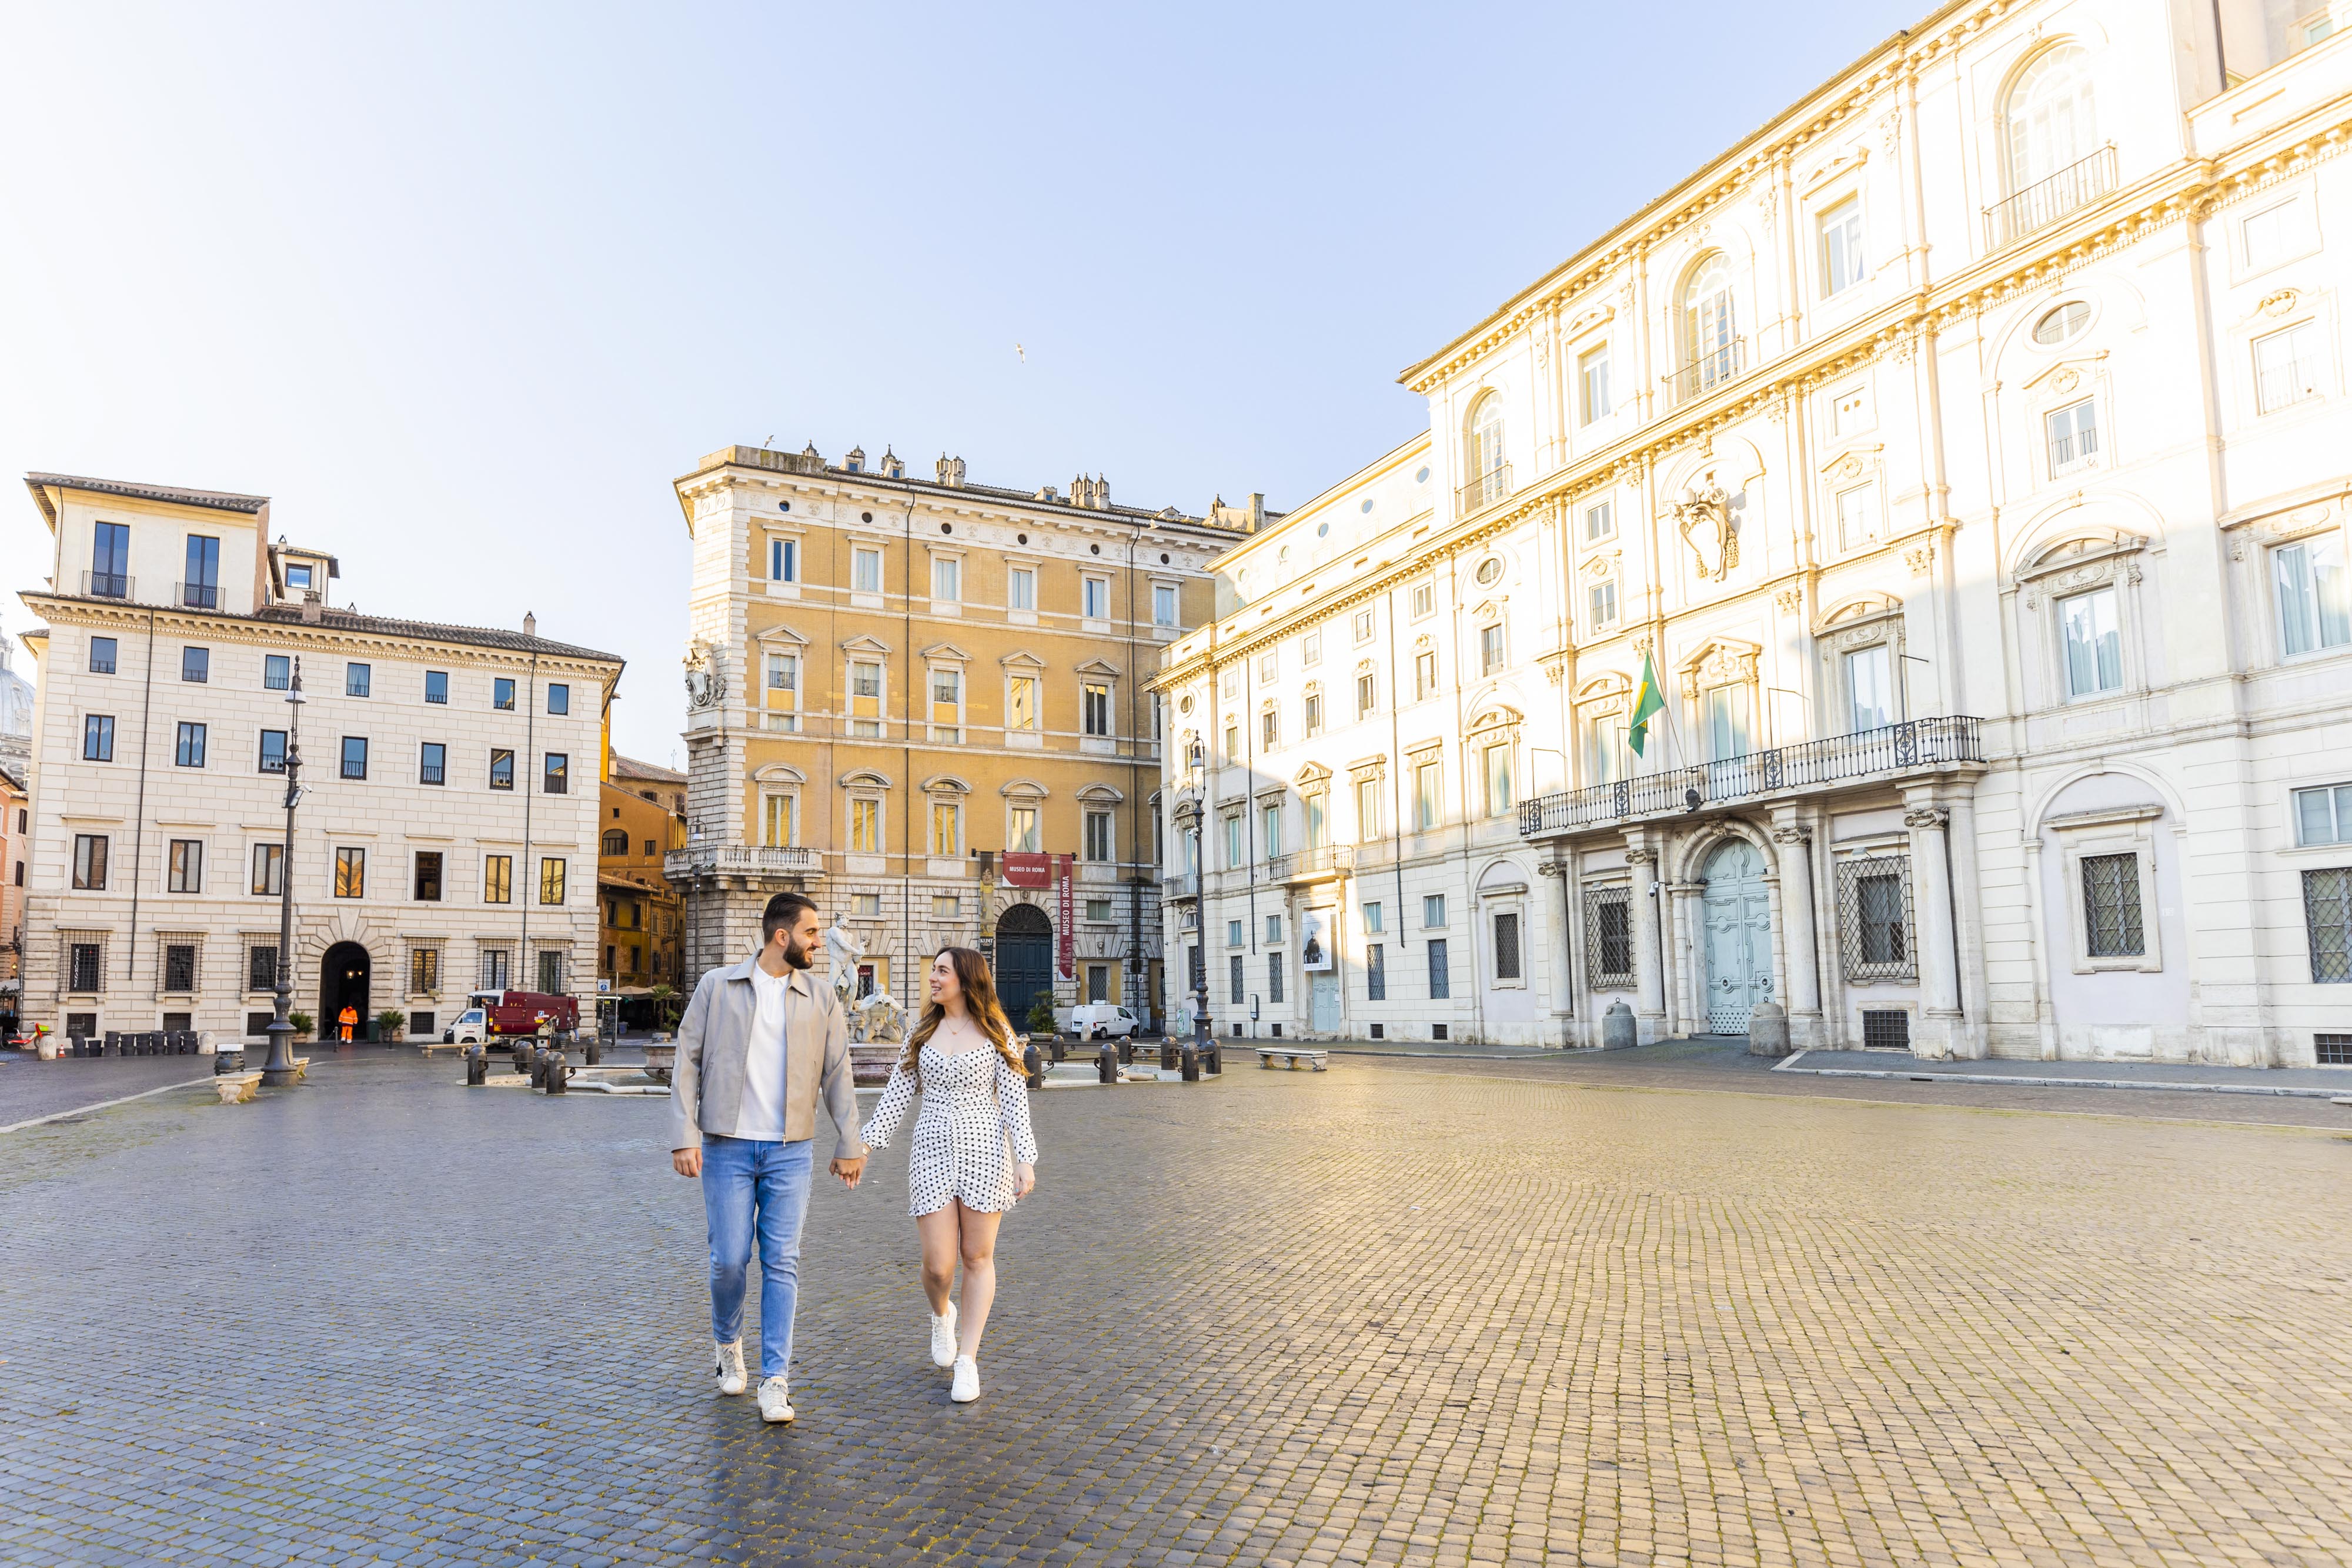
x,y
1646,702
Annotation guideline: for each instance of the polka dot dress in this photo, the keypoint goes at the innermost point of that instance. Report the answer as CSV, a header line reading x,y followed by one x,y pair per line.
x,y
974,1107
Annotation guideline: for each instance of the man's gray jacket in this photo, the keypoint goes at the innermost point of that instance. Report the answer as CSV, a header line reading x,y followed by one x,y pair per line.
x,y
714,1041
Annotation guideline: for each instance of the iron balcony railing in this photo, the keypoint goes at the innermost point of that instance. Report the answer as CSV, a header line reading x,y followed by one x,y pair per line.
x,y
742,859
2044,201
196,595
1306,865
105,585
1893,749
1708,369
1180,884
1483,490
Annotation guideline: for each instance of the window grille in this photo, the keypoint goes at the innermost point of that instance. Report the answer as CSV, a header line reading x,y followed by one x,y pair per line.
x,y
1875,933
84,969
2327,917
1235,978
1884,1029
551,970
1274,976
2332,1050
179,967
497,964
1376,974
1608,937
1506,946
261,967
425,968
2111,913
1440,978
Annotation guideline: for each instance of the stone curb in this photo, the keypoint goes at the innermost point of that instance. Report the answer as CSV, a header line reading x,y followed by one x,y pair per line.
x,y
2023,1081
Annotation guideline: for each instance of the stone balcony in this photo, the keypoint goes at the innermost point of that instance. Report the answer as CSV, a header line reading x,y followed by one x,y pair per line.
x,y
742,861
1325,865
1916,748
1181,886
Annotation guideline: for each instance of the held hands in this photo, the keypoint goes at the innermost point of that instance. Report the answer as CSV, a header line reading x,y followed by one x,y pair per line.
x,y
685,1162
1024,1180
849,1171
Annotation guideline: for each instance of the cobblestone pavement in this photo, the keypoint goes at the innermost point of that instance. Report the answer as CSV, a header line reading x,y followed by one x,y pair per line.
x,y
30,1087
1372,1315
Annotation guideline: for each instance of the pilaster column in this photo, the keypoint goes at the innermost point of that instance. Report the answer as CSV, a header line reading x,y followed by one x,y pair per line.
x,y
1931,875
1799,944
1649,974
1689,986
1561,959
1974,1037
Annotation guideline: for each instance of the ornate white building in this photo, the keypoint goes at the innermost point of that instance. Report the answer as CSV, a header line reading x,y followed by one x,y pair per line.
x,y
1965,449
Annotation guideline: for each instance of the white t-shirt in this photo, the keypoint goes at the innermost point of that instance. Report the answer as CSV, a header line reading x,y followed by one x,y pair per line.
x,y
762,1113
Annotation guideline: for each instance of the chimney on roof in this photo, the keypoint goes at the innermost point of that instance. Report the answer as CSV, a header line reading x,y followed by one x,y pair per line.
x,y
529,624
951,471
311,611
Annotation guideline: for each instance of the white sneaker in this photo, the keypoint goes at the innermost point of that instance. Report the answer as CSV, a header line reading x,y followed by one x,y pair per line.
x,y
731,1368
967,1381
943,1337
776,1399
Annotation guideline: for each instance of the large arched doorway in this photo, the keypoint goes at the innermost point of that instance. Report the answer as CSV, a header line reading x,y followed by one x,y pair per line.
x,y
1025,960
343,982
1739,914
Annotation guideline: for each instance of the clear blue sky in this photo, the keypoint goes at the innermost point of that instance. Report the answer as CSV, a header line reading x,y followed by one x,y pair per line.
x,y
464,287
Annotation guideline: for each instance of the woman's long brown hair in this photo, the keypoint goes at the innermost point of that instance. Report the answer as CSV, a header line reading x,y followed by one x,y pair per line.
x,y
979,1000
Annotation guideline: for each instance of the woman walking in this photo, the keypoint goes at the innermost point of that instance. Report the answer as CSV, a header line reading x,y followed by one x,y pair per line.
x,y
959,1177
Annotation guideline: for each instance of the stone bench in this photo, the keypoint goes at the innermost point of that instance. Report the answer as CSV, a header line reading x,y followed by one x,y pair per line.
x,y
1293,1055
237,1088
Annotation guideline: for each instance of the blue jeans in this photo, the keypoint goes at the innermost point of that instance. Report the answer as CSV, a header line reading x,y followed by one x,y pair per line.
x,y
739,1175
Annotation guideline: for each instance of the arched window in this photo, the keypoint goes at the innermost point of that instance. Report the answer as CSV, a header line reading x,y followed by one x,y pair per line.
x,y
1710,331
617,843
2050,120
1484,471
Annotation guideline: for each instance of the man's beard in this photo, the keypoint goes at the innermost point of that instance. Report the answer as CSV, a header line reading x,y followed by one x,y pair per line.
x,y
798,957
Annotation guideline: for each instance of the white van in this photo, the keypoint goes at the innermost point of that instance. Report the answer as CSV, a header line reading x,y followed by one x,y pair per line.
x,y
1103,1021
471,1028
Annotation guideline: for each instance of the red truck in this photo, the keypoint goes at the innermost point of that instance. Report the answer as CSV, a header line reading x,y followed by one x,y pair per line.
x,y
490,1014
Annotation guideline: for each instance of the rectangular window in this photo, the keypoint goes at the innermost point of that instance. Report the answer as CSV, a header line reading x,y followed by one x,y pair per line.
x,y
494,968
424,972
1726,722
866,570
355,757
1376,973
1424,599
350,874
2326,918
551,880
179,967
197,664
502,693
2315,599
110,561
1314,714
2286,368
1269,830
277,673
186,865
1022,831
783,561
101,655
1363,625
498,879
559,698
431,763
1424,675
1163,604
780,822
427,887
1609,937
865,826
2092,645
188,751
502,769
1506,945
1234,982
1269,667
1021,589
1869,685
1841,263
1592,384
1232,739
1310,649
1490,649
1232,933
2074,437
261,968
1274,966
1317,827
1367,809
1273,928
556,774
1602,602
1234,855
550,971
1883,923
356,679
947,577
2324,816
269,871
1427,795
1269,729
1368,692
1441,979
947,827
1098,837
2111,912
201,590
298,576
97,738
437,687
949,906
866,906
1600,520
1097,707
2273,235
1094,597
1433,910
1605,752
1021,702
1857,515
1374,923
1499,798
866,680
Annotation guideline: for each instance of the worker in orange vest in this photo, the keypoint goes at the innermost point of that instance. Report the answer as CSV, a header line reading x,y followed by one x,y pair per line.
x,y
345,1019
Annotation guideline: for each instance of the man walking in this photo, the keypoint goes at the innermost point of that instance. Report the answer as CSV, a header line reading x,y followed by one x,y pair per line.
x,y
759,1042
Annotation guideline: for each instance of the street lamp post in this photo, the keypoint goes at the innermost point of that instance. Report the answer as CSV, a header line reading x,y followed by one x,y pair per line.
x,y
278,1071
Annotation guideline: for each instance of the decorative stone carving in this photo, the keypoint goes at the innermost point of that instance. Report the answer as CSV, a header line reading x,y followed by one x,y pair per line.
x,y
2067,379
1726,665
1790,600
1890,132
843,948
1552,868
1709,529
1643,857
1926,817
1919,559
2277,303
706,676
1791,834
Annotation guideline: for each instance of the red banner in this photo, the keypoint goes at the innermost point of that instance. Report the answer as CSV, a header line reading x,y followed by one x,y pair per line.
x,y
1063,868
1025,868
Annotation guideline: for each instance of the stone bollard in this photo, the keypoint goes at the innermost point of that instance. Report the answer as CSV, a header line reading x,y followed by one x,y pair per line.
x,y
1213,1060
1768,1030
1061,1053
1126,1051
537,1068
595,1050
1035,1061
558,1073
478,1067
1168,1053
1617,1027
1190,1062
1107,1063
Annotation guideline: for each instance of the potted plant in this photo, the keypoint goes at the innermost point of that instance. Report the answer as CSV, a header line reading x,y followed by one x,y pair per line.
x,y
665,999
391,1024
302,1023
1041,1014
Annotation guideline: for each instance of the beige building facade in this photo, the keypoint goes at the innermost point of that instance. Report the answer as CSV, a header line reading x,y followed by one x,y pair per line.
x,y
447,836
921,700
